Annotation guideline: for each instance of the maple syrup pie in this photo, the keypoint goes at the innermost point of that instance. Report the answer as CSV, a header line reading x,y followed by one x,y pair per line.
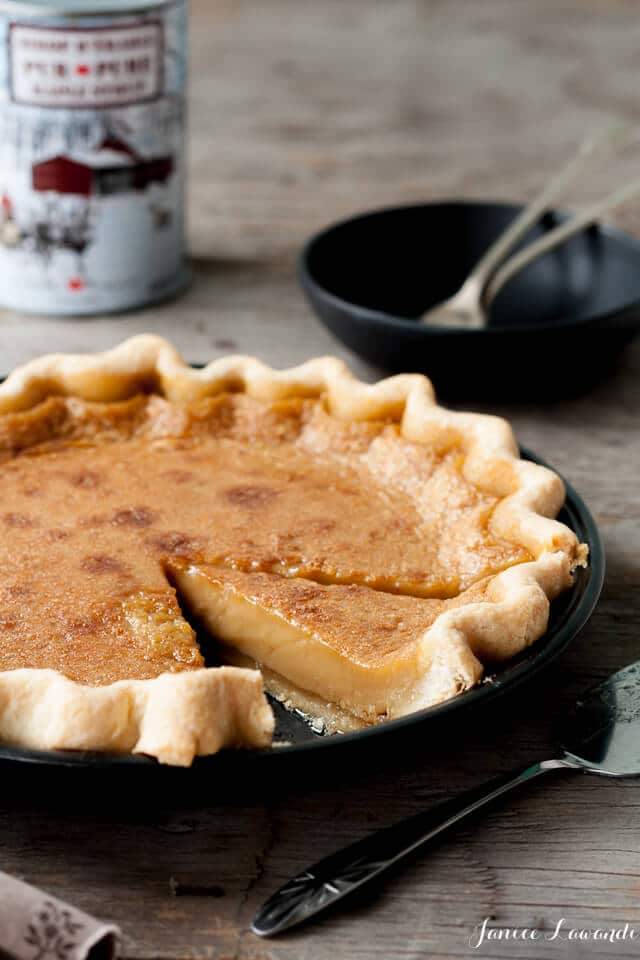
x,y
356,548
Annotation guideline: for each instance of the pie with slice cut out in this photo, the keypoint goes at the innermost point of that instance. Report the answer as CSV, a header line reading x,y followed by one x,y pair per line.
x,y
356,547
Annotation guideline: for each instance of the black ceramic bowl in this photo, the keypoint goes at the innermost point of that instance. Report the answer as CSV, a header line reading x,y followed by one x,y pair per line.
x,y
554,328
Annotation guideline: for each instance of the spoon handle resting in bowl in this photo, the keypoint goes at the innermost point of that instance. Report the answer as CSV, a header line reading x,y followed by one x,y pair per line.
x,y
339,874
603,141
555,237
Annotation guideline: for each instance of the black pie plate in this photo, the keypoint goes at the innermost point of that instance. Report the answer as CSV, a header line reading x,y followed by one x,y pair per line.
x,y
295,739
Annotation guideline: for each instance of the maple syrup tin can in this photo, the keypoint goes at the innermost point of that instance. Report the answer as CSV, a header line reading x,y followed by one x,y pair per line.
x,y
91,154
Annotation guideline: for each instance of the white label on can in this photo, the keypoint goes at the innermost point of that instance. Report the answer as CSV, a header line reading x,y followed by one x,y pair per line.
x,y
57,67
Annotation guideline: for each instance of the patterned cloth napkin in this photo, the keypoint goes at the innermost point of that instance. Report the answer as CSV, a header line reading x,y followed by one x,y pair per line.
x,y
36,926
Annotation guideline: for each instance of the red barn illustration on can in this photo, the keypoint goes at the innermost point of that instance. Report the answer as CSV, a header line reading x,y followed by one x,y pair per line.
x,y
113,167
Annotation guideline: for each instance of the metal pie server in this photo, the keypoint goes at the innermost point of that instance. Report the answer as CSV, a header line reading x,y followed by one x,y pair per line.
x,y
601,735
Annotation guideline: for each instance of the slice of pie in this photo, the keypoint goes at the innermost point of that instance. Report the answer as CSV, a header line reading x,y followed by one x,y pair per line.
x,y
367,549
352,655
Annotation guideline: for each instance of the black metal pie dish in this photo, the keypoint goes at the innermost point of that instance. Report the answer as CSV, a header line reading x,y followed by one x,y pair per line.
x,y
554,329
294,737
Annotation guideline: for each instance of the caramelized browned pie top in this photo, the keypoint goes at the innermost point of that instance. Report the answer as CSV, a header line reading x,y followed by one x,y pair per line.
x,y
99,500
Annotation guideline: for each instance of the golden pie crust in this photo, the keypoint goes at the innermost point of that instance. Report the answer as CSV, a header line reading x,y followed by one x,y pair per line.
x,y
379,548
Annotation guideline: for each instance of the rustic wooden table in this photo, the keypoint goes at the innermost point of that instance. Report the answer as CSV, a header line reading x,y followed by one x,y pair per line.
x,y
301,113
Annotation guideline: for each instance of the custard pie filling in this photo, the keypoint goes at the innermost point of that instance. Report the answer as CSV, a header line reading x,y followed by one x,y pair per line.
x,y
93,513
370,571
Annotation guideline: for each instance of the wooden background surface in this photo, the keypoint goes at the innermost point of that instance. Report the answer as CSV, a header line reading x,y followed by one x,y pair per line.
x,y
303,112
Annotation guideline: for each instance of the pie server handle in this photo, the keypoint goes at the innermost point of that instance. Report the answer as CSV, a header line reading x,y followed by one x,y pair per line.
x,y
339,874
